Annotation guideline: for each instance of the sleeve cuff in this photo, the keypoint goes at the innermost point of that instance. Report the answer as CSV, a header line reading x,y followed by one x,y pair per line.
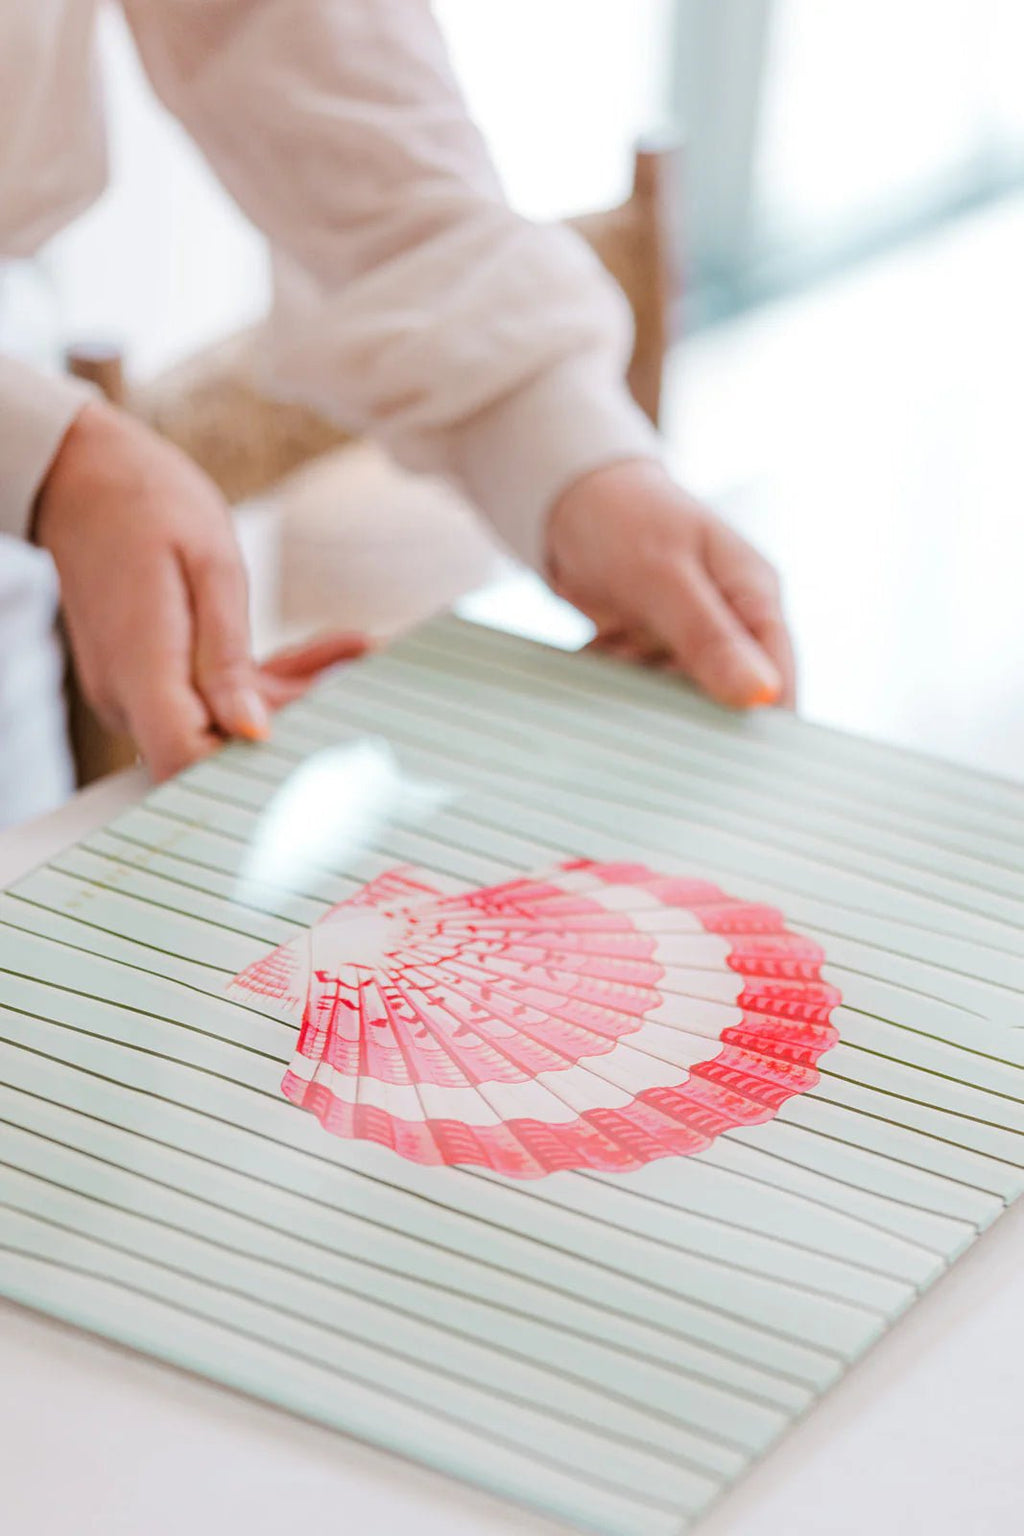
x,y
517,456
36,410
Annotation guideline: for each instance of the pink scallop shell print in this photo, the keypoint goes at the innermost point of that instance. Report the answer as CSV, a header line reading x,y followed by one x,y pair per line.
x,y
593,1016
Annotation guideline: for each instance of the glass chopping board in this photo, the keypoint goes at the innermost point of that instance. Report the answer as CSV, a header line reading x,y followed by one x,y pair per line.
x,y
521,1064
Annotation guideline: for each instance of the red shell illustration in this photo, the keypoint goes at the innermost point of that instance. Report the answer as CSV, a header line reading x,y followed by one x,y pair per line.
x,y
593,1016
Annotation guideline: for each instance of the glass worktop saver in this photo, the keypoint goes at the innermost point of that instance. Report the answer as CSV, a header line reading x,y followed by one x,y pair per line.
x,y
518,1063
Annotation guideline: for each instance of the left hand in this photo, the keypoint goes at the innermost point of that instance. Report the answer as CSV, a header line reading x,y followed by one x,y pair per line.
x,y
667,582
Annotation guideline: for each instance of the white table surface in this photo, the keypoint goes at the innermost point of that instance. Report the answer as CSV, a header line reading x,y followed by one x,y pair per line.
x,y
892,498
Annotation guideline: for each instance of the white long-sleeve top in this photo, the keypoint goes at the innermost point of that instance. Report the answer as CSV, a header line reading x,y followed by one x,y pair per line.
x,y
412,304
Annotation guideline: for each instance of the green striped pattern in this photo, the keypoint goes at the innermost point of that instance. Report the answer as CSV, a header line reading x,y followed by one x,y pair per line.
x,y
613,1349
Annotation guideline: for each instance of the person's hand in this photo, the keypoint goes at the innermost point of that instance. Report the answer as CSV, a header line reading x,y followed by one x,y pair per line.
x,y
154,595
667,582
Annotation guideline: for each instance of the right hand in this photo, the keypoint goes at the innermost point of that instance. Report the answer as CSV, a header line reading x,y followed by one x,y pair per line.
x,y
668,583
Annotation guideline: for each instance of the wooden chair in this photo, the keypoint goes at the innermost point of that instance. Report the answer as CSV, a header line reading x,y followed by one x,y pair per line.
x,y
249,444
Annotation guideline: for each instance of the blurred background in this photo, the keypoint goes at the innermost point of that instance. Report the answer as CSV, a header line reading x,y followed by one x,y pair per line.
x,y
844,378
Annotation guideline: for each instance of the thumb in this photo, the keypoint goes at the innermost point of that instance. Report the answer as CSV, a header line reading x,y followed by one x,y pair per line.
x,y
225,673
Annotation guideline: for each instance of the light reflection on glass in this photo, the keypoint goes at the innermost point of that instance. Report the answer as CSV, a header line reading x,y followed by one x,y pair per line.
x,y
328,811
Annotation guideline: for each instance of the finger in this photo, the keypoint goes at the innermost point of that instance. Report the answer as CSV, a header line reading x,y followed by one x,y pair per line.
x,y
774,638
305,661
225,672
709,642
751,588
288,675
610,644
638,646
276,692
154,693
173,729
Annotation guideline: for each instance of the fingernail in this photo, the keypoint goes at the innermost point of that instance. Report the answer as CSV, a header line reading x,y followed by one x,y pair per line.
x,y
249,715
765,682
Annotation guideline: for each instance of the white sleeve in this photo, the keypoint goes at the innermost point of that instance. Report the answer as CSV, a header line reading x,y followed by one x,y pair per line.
x,y
36,410
413,304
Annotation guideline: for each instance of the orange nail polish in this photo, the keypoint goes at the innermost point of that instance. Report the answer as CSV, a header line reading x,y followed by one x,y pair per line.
x,y
250,718
250,731
765,695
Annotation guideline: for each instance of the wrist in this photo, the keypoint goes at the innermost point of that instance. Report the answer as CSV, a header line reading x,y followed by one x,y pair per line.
x,y
86,430
611,490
